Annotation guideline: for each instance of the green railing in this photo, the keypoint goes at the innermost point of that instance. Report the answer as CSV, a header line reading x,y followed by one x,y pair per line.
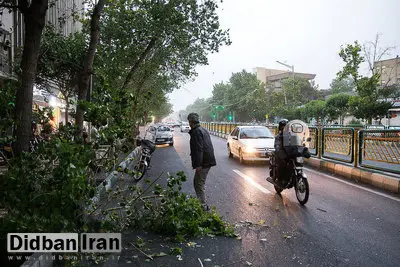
x,y
380,149
338,144
313,148
377,149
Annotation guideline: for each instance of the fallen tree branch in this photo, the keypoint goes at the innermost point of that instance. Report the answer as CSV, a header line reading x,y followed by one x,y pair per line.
x,y
141,251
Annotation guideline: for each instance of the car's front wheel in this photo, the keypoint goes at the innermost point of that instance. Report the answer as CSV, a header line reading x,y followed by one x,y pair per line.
x,y
230,152
241,159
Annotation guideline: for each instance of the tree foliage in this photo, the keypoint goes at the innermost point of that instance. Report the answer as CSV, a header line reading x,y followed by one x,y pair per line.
x,y
337,106
342,86
368,104
315,109
60,61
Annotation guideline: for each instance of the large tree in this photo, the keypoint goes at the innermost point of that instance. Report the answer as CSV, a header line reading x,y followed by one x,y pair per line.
x,y
34,13
368,104
59,63
151,47
87,65
342,86
315,109
337,107
299,91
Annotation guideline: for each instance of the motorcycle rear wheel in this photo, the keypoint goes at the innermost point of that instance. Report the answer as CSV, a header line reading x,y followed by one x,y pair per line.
x,y
302,190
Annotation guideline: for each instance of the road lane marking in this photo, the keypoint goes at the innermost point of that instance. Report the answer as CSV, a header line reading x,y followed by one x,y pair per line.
x,y
358,186
252,182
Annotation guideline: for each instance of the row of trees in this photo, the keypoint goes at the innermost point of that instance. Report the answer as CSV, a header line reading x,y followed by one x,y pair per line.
x,y
136,52
351,94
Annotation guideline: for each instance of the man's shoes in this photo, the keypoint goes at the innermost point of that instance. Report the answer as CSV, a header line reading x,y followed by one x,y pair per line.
x,y
205,207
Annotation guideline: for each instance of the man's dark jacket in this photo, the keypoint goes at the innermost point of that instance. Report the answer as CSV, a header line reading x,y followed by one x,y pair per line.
x,y
201,148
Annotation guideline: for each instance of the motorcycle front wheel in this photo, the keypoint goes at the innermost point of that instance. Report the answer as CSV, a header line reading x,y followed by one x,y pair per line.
x,y
302,190
140,170
278,189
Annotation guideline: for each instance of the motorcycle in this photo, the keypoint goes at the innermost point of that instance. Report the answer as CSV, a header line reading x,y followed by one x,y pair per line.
x,y
295,144
147,148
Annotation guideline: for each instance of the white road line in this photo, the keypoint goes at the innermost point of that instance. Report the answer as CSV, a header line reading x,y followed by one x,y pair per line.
x,y
358,186
252,182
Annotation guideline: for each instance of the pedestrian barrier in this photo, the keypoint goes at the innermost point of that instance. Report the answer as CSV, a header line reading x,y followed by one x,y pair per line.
x,y
338,144
380,149
375,148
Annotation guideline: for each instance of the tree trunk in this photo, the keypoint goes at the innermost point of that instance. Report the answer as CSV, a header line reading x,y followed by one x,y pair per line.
x,y
34,21
83,82
135,66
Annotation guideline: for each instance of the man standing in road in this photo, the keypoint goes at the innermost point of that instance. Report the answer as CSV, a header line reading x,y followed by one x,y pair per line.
x,y
202,154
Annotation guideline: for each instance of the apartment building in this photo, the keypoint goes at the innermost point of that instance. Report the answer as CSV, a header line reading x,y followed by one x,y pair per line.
x,y
389,70
272,78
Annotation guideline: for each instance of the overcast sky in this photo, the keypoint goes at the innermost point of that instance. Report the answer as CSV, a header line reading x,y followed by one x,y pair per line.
x,y
304,33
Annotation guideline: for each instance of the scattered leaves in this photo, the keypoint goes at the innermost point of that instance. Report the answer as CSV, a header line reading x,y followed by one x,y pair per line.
x,y
176,251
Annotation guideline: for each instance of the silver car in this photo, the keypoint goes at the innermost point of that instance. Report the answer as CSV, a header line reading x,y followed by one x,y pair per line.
x,y
164,135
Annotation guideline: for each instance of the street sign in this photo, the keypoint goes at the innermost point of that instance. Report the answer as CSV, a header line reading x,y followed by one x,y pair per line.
x,y
266,116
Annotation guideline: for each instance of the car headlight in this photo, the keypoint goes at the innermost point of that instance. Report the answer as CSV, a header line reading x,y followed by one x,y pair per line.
x,y
249,149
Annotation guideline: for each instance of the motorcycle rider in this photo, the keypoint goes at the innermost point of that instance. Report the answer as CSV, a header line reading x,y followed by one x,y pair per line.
x,y
280,154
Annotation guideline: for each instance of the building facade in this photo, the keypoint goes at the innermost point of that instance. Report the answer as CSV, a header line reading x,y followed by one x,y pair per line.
x,y
272,78
389,71
64,15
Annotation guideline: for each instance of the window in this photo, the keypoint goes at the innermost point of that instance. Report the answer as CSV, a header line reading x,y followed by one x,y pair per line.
x,y
235,132
164,129
255,133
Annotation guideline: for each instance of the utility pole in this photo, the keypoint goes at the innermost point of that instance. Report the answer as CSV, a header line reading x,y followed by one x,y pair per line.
x,y
292,68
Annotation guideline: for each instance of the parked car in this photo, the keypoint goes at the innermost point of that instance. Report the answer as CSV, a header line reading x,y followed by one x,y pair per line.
x,y
250,143
164,135
185,127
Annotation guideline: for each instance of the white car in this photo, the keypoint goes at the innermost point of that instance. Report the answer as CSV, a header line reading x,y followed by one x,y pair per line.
x,y
185,127
250,143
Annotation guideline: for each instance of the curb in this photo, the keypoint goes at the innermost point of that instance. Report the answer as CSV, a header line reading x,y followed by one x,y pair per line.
x,y
111,179
378,180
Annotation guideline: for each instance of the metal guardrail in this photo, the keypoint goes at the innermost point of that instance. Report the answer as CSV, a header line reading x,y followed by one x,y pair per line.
x,y
338,144
380,149
377,149
313,148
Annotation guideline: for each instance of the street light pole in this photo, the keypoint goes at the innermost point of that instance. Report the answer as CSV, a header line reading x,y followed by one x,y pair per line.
x,y
292,68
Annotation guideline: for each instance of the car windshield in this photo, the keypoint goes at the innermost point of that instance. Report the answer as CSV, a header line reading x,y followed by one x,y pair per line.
x,y
163,129
255,133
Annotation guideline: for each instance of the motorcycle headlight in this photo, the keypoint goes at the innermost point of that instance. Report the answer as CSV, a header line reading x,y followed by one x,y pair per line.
x,y
299,160
249,149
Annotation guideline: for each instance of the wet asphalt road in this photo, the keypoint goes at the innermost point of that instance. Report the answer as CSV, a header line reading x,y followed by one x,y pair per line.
x,y
343,224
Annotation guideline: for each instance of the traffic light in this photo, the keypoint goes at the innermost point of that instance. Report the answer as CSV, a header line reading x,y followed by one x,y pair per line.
x,y
214,115
230,117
